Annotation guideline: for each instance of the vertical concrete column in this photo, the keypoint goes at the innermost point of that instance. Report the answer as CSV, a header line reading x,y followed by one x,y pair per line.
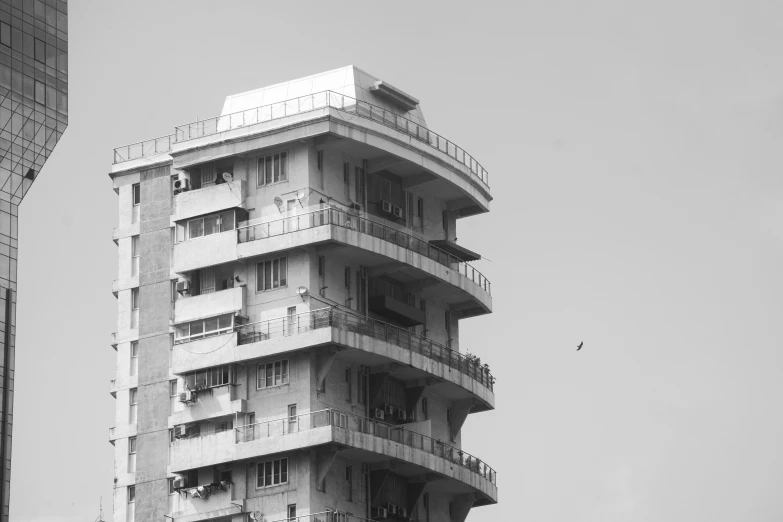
x,y
154,345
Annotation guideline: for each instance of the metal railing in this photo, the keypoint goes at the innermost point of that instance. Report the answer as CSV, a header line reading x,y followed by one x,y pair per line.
x,y
363,325
143,149
335,216
326,516
376,428
302,105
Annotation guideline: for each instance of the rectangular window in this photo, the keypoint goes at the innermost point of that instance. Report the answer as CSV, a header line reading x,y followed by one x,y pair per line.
x,y
5,34
203,328
358,174
420,208
293,424
211,224
40,92
349,481
319,159
134,255
173,388
272,374
40,51
131,445
210,378
291,512
322,266
134,357
271,274
424,408
171,487
347,179
348,390
348,277
136,194
447,323
131,494
362,384
134,396
272,169
272,473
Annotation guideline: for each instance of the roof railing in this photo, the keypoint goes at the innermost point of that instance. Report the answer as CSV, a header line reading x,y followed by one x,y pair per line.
x,y
300,105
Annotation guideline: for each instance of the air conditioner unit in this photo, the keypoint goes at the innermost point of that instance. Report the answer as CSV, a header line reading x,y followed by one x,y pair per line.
x,y
183,286
401,415
356,206
379,512
181,184
391,508
180,431
378,413
397,211
402,512
186,396
180,482
386,206
389,409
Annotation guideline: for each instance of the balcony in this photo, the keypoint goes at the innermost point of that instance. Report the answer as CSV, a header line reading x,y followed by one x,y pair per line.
x,y
406,447
210,404
333,224
210,199
211,250
209,304
389,300
207,502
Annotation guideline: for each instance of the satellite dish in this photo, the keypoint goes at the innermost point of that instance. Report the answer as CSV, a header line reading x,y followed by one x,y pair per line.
x,y
278,201
302,290
228,177
256,515
300,195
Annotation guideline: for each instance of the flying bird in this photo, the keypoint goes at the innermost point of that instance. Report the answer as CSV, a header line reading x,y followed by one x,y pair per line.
x,y
580,346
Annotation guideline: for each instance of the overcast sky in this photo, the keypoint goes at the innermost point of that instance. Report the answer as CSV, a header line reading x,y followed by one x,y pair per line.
x,y
634,152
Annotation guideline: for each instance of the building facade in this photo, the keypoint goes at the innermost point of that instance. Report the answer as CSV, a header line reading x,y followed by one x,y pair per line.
x,y
33,116
290,290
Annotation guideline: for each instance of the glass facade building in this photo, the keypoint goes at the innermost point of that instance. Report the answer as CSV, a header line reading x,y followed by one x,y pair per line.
x,y
33,116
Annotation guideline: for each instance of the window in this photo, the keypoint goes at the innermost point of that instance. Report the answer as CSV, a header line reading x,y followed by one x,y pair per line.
x,y
136,194
420,208
272,374
347,179
40,51
447,323
5,34
210,378
362,385
134,255
132,446
272,473
271,274
348,277
173,388
358,174
134,357
272,169
293,423
319,159
40,92
171,487
134,298
171,436
203,328
424,408
212,224
321,266
426,501
348,384
291,512
225,476
337,516
134,396
131,494
349,481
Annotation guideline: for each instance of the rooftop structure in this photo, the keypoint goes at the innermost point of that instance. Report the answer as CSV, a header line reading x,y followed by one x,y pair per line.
x,y
289,296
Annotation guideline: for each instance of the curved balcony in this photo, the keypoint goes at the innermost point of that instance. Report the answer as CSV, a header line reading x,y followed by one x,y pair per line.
x,y
379,238
376,340
348,431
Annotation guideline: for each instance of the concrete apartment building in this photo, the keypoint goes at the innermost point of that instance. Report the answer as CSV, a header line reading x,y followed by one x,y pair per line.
x,y
33,116
290,291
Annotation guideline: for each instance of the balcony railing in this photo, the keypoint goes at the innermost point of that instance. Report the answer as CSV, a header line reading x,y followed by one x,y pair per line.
x,y
355,423
143,149
302,105
363,325
335,216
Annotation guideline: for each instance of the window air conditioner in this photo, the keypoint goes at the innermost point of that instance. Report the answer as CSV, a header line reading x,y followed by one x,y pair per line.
x,y
180,482
386,206
356,206
182,184
379,512
183,286
186,396
391,508
180,431
389,409
378,413
401,415
397,211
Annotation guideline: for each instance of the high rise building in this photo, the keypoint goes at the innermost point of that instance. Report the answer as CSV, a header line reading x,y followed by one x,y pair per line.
x,y
33,116
290,291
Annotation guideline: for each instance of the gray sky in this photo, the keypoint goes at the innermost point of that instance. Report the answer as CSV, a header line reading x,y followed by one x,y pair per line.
x,y
634,154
